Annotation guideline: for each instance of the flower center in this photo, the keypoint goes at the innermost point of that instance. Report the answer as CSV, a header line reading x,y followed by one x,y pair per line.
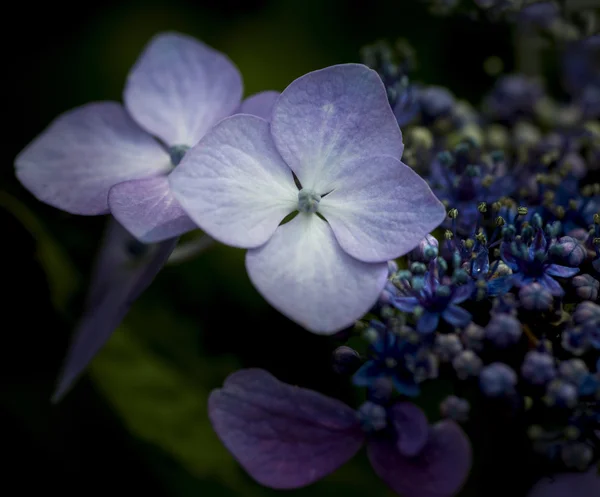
x,y
308,201
176,152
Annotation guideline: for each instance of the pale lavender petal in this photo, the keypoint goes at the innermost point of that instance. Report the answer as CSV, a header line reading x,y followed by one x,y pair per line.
x,y
83,153
304,273
234,184
284,436
411,428
125,268
561,271
333,117
260,104
568,485
148,210
179,88
440,469
381,209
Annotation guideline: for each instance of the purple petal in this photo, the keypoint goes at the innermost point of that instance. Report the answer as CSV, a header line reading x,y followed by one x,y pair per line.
x,y
179,88
260,104
462,293
83,153
439,470
304,273
148,210
561,271
508,257
405,304
428,322
284,436
119,279
568,484
234,184
457,316
552,285
333,117
381,209
411,427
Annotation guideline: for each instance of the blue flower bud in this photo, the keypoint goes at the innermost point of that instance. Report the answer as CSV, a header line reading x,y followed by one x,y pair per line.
x,y
538,367
561,393
346,360
467,364
497,379
447,346
577,455
535,297
455,408
573,371
586,287
372,417
426,250
503,330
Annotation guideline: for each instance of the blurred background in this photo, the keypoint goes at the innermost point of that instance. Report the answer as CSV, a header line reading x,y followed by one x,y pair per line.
x,y
137,421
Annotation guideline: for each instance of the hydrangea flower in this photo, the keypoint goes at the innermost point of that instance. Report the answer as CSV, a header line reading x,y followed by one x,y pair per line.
x,y
288,437
104,156
358,206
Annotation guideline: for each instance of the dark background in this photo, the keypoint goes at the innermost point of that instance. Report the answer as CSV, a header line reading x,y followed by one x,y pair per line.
x,y
137,422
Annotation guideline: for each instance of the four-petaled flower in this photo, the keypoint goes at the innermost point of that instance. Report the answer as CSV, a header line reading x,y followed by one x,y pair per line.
x,y
358,206
103,156
288,437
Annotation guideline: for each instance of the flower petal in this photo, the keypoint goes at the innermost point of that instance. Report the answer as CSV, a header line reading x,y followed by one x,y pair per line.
x,y
439,470
148,210
234,184
179,88
561,271
381,209
411,427
121,275
284,436
428,322
462,293
457,316
83,153
260,104
405,304
304,273
329,118
563,485
552,285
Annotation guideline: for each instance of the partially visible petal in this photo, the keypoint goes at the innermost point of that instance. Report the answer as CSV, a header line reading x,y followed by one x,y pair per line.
x,y
462,293
428,322
83,153
366,374
304,273
568,484
125,268
148,210
507,256
411,427
552,285
381,209
284,436
329,118
405,304
260,104
457,316
561,271
234,184
440,469
179,88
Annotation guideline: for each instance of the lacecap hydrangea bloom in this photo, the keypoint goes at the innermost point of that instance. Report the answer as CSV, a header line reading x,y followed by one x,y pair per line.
x,y
330,153
104,157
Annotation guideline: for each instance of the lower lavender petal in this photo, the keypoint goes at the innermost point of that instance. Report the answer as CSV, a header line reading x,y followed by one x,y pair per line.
x,y
440,469
457,316
284,436
411,427
428,322
561,271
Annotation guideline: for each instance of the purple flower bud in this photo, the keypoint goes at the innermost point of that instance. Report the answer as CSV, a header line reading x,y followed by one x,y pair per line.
x,y
573,371
426,250
535,297
569,250
455,408
538,367
473,336
467,364
447,346
586,286
388,293
392,267
497,379
346,360
372,417
575,340
577,455
435,102
503,330
381,390
561,393
586,312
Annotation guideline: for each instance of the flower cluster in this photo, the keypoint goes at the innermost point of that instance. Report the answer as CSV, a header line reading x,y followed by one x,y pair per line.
x,y
464,249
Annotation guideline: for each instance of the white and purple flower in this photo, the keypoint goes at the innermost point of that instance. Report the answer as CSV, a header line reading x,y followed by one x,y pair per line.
x,y
331,152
